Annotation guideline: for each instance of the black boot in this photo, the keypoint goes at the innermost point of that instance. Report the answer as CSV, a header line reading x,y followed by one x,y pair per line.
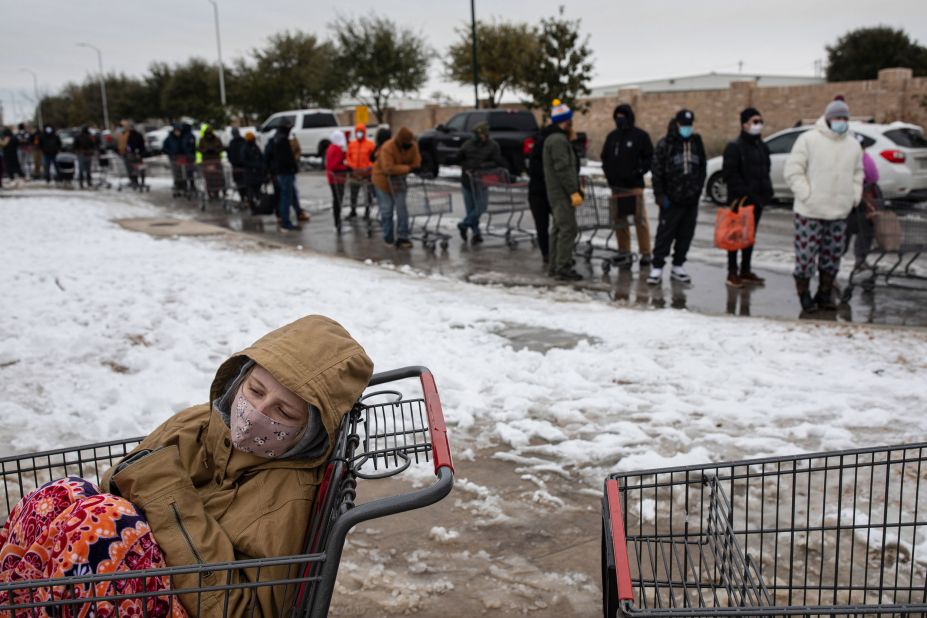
x,y
825,296
803,287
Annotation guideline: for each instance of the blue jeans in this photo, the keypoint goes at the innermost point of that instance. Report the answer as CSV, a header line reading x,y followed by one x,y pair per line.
x,y
285,182
49,162
475,203
387,203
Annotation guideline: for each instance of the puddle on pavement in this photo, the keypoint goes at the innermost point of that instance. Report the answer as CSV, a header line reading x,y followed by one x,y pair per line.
x,y
540,339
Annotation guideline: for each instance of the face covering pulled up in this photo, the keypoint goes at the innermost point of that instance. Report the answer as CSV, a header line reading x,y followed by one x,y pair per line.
x,y
254,432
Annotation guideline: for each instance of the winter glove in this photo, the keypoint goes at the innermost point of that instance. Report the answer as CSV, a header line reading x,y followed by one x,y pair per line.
x,y
576,200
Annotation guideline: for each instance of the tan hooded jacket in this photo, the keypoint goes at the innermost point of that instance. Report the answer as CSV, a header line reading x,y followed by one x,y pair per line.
x,y
394,161
207,502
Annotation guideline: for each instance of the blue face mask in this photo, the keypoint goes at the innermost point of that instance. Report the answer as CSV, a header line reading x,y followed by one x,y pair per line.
x,y
686,132
839,126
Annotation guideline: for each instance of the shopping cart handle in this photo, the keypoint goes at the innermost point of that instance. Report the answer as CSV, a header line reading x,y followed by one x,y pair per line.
x,y
441,449
619,542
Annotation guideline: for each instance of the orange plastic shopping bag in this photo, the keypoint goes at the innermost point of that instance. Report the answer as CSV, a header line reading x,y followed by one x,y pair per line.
x,y
735,227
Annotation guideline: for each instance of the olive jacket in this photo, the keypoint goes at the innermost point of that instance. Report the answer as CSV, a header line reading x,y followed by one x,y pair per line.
x,y
208,502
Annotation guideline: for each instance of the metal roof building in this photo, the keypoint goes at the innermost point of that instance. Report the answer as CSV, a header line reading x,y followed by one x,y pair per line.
x,y
706,81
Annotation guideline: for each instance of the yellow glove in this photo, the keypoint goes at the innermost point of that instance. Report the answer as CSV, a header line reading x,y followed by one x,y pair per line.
x,y
576,200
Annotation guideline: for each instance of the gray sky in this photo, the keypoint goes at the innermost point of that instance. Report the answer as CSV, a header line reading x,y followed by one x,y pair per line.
x,y
631,40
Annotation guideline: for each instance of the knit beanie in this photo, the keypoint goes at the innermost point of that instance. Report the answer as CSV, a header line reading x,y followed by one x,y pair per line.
x,y
560,112
749,113
836,109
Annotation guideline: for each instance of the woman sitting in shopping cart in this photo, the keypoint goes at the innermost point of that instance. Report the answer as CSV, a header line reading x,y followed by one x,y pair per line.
x,y
232,479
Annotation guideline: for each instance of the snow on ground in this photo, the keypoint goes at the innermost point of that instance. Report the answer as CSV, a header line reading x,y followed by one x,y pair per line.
x,y
106,332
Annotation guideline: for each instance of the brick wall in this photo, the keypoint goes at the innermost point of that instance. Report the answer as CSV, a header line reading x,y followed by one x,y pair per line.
x,y
895,95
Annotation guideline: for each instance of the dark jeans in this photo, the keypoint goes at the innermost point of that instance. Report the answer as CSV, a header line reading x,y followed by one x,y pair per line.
x,y
355,190
49,161
285,184
746,255
84,163
475,202
540,210
337,199
676,229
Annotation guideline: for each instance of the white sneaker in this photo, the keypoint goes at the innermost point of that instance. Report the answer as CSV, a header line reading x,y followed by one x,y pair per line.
x,y
680,275
656,276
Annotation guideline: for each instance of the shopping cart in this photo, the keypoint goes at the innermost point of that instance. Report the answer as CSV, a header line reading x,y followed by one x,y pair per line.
x,y
102,164
382,436
887,228
132,173
506,204
826,534
213,184
427,204
597,222
183,171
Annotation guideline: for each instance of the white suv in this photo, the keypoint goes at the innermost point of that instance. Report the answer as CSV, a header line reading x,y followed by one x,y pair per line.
x,y
899,150
311,127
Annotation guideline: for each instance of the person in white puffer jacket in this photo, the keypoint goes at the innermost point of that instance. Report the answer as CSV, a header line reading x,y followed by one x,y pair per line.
x,y
825,173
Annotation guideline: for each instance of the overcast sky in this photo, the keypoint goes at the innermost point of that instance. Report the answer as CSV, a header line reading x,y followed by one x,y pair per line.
x,y
631,40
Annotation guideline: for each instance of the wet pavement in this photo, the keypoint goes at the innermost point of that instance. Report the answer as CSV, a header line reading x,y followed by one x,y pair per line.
x,y
495,263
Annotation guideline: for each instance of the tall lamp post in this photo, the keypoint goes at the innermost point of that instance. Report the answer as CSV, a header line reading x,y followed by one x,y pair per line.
x,y
102,83
215,11
35,89
476,92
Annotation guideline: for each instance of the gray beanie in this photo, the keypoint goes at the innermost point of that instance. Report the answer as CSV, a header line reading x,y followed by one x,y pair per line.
x,y
836,109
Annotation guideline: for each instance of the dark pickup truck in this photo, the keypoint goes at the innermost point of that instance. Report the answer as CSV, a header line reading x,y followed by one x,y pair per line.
x,y
513,129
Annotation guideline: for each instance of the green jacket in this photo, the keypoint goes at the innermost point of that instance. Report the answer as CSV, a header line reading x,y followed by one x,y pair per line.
x,y
208,502
560,167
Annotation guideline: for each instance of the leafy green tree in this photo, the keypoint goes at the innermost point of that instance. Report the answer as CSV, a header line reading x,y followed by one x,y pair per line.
x,y
294,70
378,59
861,53
193,90
562,67
505,55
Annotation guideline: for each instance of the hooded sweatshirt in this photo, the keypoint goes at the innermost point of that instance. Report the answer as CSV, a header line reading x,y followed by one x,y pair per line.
x,y
825,173
394,160
679,167
627,154
359,150
207,502
477,154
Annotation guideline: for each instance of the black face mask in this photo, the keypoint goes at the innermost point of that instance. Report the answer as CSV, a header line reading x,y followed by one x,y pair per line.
x,y
405,146
621,122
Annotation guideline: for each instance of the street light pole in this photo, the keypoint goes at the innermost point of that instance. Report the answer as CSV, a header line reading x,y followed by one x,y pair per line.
x,y
102,83
476,92
35,90
215,10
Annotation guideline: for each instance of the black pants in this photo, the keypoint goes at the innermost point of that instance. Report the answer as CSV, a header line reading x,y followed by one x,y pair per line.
x,y
746,255
676,229
337,197
355,190
540,210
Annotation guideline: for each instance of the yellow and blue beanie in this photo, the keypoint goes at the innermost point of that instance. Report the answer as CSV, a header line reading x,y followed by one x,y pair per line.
x,y
560,112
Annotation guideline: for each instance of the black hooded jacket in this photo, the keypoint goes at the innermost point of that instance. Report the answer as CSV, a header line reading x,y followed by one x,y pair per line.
x,y
679,167
279,154
627,154
50,143
746,170
536,184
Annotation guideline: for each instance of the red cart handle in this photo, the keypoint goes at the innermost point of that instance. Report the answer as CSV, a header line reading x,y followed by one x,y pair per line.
x,y
441,449
619,542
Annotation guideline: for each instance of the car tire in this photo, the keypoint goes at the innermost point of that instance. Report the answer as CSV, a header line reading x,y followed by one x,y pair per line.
x,y
716,190
429,166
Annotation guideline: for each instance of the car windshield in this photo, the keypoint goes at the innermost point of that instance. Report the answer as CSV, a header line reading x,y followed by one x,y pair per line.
x,y
513,121
907,138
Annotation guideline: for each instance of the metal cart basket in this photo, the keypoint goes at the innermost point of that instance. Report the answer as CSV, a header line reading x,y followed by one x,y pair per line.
x,y
383,435
826,534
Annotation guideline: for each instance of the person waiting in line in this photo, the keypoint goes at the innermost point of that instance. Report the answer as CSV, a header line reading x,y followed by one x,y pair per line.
x,y
301,215
626,156
358,162
395,159
383,135
859,221
282,166
679,169
24,138
85,147
825,173
11,166
214,483
234,153
480,152
537,192
50,144
561,180
336,172
254,172
746,174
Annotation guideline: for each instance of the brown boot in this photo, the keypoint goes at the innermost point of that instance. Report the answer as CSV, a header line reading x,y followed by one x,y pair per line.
x,y
734,280
751,278
825,296
803,287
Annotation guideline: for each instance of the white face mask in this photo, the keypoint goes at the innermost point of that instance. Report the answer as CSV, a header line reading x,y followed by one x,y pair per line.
x,y
359,135
755,129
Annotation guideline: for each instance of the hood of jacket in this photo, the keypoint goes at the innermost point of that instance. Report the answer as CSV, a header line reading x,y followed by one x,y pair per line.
x,y
316,359
360,127
404,136
338,139
626,110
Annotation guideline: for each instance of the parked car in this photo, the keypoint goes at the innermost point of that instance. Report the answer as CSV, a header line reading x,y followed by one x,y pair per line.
x,y
311,127
899,150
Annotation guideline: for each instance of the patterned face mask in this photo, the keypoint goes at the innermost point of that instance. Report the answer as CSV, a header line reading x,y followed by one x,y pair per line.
x,y
253,432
